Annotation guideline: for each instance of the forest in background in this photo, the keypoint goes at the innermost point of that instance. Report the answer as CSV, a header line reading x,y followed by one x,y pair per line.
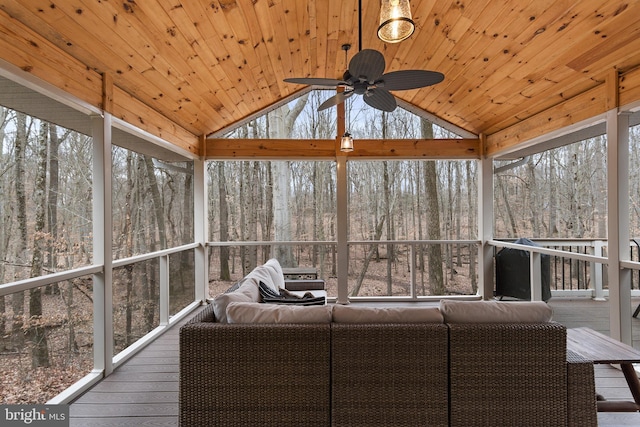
x,y
46,226
46,223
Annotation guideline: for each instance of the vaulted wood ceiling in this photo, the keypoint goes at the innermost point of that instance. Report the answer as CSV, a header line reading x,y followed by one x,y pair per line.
x,y
511,67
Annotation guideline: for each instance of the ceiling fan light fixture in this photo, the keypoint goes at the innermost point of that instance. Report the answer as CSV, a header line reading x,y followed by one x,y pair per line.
x,y
395,21
346,143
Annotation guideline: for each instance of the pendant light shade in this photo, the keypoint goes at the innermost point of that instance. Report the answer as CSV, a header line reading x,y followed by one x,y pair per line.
x,y
346,143
395,21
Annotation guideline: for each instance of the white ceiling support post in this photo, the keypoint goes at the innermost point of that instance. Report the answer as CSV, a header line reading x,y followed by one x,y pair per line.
x,y
343,230
163,266
102,245
597,272
618,224
485,226
200,229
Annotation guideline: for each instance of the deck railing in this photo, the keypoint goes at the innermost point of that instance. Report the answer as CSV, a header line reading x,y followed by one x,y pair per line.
x,y
97,326
578,269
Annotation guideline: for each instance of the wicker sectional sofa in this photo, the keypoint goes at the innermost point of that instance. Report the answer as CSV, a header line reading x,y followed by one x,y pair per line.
x,y
390,366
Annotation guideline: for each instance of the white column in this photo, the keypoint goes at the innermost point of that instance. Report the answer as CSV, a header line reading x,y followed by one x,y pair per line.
x,y
201,229
618,224
102,244
535,273
485,227
343,222
163,266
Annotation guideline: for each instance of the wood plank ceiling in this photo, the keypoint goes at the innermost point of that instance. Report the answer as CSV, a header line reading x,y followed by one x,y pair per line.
x,y
207,64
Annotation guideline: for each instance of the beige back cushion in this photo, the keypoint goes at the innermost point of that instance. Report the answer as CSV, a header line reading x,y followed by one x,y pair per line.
x,y
352,314
247,292
246,312
263,274
495,311
276,272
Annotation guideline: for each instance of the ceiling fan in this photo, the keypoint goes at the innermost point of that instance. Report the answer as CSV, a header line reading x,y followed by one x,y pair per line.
x,y
366,77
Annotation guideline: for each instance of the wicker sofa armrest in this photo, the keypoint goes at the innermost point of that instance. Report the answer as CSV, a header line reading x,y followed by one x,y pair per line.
x,y
253,374
508,374
581,390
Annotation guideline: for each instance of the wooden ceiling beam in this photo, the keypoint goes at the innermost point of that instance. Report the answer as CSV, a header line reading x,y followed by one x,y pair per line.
x,y
615,90
579,108
629,87
328,149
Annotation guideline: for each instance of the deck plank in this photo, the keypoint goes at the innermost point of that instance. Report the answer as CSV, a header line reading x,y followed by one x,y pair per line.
x,y
144,390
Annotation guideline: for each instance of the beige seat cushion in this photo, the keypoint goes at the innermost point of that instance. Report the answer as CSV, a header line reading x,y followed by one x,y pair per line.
x,y
246,312
495,311
352,314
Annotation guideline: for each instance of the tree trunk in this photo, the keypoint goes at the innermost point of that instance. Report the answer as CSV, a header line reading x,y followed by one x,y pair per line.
x,y
553,198
17,299
507,207
248,219
534,204
434,252
128,233
225,274
158,209
5,231
387,210
473,249
36,330
369,256
52,204
601,188
420,264
280,126
458,210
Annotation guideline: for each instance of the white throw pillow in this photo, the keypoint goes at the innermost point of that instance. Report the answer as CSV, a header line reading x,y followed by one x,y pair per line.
x,y
247,312
247,292
351,314
263,274
495,311
276,269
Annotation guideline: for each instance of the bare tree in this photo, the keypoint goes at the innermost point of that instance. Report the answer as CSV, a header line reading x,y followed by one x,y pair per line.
x,y
225,274
434,252
17,300
472,224
5,229
553,199
280,126
36,330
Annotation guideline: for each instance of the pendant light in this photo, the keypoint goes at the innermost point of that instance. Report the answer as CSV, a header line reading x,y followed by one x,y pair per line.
x,y
346,143
395,21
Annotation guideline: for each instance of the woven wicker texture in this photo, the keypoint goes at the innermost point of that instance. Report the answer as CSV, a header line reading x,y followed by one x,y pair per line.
x,y
582,391
251,375
389,375
508,375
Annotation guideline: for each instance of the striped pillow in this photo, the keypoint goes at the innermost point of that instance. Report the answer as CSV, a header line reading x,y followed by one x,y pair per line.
x,y
269,296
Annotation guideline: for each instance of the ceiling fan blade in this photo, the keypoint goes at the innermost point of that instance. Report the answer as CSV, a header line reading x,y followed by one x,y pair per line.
x,y
380,99
315,81
367,63
409,79
335,100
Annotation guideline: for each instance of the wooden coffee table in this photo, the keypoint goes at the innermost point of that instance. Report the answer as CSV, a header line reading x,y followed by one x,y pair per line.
x,y
599,348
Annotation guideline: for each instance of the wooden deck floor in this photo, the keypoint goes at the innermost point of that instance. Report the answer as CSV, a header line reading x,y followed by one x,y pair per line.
x,y
144,391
